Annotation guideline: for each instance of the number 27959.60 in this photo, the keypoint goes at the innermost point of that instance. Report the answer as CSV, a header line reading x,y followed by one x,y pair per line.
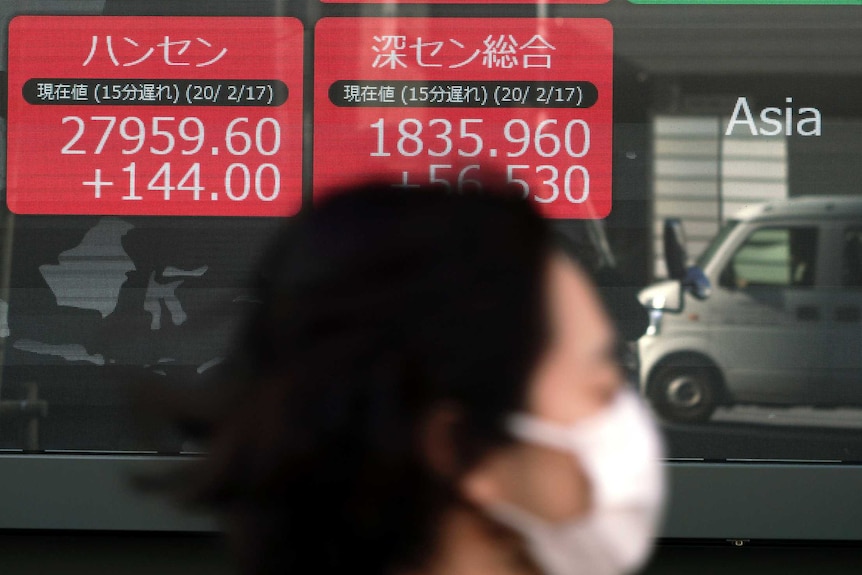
x,y
240,136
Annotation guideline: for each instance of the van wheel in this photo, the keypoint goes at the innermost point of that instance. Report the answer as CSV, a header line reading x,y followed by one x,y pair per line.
x,y
685,394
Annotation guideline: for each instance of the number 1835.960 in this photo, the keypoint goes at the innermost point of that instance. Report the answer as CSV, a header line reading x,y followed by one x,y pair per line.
x,y
439,138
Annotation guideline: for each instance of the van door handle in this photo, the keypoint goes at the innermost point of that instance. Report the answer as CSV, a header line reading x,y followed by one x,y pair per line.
x,y
808,313
847,313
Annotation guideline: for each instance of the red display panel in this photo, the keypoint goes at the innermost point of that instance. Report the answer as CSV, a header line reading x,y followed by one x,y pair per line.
x,y
155,116
454,101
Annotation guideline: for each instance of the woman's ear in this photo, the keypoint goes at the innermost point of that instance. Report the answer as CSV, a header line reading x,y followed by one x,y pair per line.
x,y
480,485
437,440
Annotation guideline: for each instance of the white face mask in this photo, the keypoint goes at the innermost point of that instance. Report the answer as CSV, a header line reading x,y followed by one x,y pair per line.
x,y
620,451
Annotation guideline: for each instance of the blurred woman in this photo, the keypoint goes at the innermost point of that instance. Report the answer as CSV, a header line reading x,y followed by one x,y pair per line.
x,y
429,386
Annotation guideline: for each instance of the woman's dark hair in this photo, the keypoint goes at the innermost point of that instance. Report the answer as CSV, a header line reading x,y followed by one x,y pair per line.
x,y
377,306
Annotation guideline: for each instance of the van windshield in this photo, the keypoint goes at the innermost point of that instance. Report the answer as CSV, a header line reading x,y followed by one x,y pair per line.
x,y
713,246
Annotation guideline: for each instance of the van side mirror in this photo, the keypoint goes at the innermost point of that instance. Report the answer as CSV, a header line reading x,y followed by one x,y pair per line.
x,y
675,255
692,279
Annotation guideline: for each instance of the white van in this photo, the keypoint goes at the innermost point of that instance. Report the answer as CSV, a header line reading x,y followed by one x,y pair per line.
x,y
770,314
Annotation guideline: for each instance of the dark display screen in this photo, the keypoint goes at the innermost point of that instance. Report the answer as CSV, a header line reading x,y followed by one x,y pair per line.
x,y
152,148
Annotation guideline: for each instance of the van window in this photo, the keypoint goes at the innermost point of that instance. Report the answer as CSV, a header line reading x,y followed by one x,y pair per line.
x,y
774,256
